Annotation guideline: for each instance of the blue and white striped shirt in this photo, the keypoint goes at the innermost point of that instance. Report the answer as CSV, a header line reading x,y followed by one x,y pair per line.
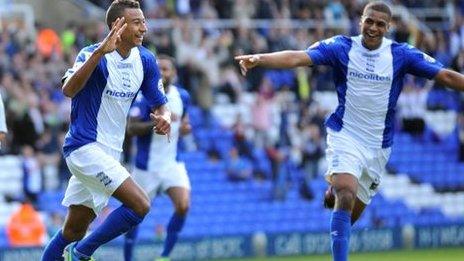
x,y
368,84
99,111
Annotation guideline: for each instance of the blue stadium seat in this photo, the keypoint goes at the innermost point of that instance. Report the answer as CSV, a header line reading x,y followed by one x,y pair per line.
x,y
3,238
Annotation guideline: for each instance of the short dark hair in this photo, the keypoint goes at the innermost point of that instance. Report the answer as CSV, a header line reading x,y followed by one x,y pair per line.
x,y
378,6
117,8
167,57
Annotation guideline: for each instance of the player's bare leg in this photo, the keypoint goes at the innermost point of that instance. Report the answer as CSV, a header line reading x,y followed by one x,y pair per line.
x,y
132,195
135,205
358,209
139,202
75,226
345,187
180,197
329,202
77,222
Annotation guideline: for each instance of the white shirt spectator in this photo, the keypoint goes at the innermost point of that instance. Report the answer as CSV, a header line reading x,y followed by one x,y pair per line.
x,y
412,103
3,129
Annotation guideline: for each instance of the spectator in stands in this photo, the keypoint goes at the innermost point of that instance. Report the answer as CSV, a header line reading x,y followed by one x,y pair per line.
x,y
48,148
242,40
238,168
458,65
186,43
163,44
48,42
442,50
370,71
241,141
265,9
458,62
285,104
279,157
412,107
54,222
455,36
213,154
313,150
24,114
25,228
401,32
263,115
68,37
230,83
32,174
460,127
3,128
335,13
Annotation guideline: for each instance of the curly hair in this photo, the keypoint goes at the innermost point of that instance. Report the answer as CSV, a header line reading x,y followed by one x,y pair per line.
x,y
117,8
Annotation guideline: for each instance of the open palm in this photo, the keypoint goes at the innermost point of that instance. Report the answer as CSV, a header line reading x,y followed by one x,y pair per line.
x,y
113,39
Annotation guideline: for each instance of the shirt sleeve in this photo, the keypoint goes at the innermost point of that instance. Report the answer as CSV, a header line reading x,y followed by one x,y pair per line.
x,y
152,85
83,56
421,64
140,108
185,97
322,52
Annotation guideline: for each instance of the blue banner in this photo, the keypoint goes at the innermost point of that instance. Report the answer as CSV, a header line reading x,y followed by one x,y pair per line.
x,y
319,243
439,236
260,244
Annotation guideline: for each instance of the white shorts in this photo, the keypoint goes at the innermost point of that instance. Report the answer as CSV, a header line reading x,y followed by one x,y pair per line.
x,y
156,182
97,173
347,155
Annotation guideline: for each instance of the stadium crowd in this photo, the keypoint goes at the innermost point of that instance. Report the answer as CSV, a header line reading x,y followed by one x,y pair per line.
x,y
286,122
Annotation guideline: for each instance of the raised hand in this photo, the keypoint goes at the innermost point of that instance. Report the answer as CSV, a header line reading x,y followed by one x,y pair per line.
x,y
247,62
162,122
112,40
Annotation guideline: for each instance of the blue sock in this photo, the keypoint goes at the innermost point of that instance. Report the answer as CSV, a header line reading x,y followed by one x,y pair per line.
x,y
129,242
54,249
340,229
174,227
118,222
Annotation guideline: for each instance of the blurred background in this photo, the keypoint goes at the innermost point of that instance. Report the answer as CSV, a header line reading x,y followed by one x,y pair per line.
x,y
256,155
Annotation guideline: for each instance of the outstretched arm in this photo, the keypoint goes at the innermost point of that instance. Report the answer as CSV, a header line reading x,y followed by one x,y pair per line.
x,y
450,78
160,123
137,127
282,59
161,118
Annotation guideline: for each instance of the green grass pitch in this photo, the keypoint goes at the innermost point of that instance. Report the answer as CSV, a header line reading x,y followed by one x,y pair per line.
x,y
446,254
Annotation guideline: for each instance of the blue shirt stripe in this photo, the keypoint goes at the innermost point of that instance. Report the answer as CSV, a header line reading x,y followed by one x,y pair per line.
x,y
85,106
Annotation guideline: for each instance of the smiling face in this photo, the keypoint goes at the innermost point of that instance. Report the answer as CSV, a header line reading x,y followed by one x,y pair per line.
x,y
374,24
136,27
